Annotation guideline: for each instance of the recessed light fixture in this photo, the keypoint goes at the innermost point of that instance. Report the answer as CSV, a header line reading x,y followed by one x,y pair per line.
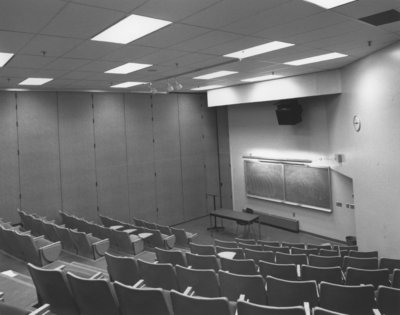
x,y
329,4
128,84
262,78
4,58
214,75
130,29
257,50
206,87
35,81
128,68
315,59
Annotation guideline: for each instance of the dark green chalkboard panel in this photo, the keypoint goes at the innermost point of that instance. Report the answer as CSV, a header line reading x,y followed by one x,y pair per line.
x,y
264,180
308,186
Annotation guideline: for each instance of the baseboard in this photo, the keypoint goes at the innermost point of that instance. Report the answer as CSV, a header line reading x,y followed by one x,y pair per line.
x,y
279,222
196,218
324,237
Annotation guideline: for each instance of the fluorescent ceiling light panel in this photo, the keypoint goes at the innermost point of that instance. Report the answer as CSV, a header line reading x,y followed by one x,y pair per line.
x,y
257,50
4,58
128,84
128,68
130,29
214,75
315,59
206,87
329,4
35,81
262,78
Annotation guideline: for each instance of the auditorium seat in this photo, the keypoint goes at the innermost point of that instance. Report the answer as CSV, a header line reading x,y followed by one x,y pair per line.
x,y
93,296
308,251
7,309
282,271
248,308
389,263
158,275
322,311
352,300
159,240
174,257
291,293
371,254
377,277
388,300
325,261
257,255
239,254
246,240
164,229
298,259
204,282
270,243
362,263
291,245
49,231
123,269
396,278
202,249
329,252
126,243
319,247
65,237
203,261
52,288
196,305
182,237
226,244
277,249
327,274
142,301
250,246
233,285
239,266
89,246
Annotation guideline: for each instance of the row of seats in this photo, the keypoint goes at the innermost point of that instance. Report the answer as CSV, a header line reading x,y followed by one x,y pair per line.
x,y
70,294
8,309
26,247
77,242
182,237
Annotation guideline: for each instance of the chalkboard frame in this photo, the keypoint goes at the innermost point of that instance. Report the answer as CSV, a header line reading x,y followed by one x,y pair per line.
x,y
284,199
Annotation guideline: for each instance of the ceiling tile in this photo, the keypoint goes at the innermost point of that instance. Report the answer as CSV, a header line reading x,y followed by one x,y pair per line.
x,y
117,5
30,62
171,35
66,64
129,53
242,42
99,66
12,42
76,75
92,50
173,10
161,56
206,41
52,45
27,15
81,21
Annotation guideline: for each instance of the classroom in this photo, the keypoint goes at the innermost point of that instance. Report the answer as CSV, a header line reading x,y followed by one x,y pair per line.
x,y
170,124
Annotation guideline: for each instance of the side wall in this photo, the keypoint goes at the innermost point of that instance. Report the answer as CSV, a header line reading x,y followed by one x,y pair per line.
x,y
124,155
254,130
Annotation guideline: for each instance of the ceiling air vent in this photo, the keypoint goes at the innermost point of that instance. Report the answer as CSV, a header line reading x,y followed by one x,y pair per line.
x,y
382,18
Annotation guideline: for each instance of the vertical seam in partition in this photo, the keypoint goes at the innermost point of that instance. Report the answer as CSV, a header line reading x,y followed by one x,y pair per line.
x,y
18,152
180,154
59,151
154,156
127,165
218,159
204,149
95,157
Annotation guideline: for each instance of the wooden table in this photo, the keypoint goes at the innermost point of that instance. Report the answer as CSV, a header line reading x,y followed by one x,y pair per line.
x,y
245,218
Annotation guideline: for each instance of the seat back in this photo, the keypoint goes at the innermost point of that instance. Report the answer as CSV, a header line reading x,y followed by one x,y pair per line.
x,y
329,252
158,275
291,245
389,263
195,305
181,237
13,244
65,237
233,285
164,229
308,251
377,277
174,257
120,241
257,255
347,299
37,228
31,253
270,243
327,274
246,240
298,259
82,243
93,296
355,253
202,249
50,231
107,222
52,288
361,263
322,311
146,301
291,293
325,261
122,269
202,261
282,271
239,253
204,282
226,244
388,300
250,246
239,266
248,308
322,246
277,249
396,278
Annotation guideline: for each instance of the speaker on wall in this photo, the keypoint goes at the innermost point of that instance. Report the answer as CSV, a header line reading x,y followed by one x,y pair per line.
x,y
288,112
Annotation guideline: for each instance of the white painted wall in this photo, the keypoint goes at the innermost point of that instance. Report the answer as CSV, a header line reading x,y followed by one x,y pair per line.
x,y
371,89
254,130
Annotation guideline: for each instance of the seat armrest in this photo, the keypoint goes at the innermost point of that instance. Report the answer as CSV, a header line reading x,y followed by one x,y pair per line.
x,y
38,237
139,284
376,311
169,241
50,252
307,308
97,275
242,297
189,291
101,246
61,267
44,309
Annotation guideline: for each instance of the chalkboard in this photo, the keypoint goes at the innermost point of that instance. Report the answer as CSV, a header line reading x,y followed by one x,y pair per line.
x,y
301,185
308,186
264,180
